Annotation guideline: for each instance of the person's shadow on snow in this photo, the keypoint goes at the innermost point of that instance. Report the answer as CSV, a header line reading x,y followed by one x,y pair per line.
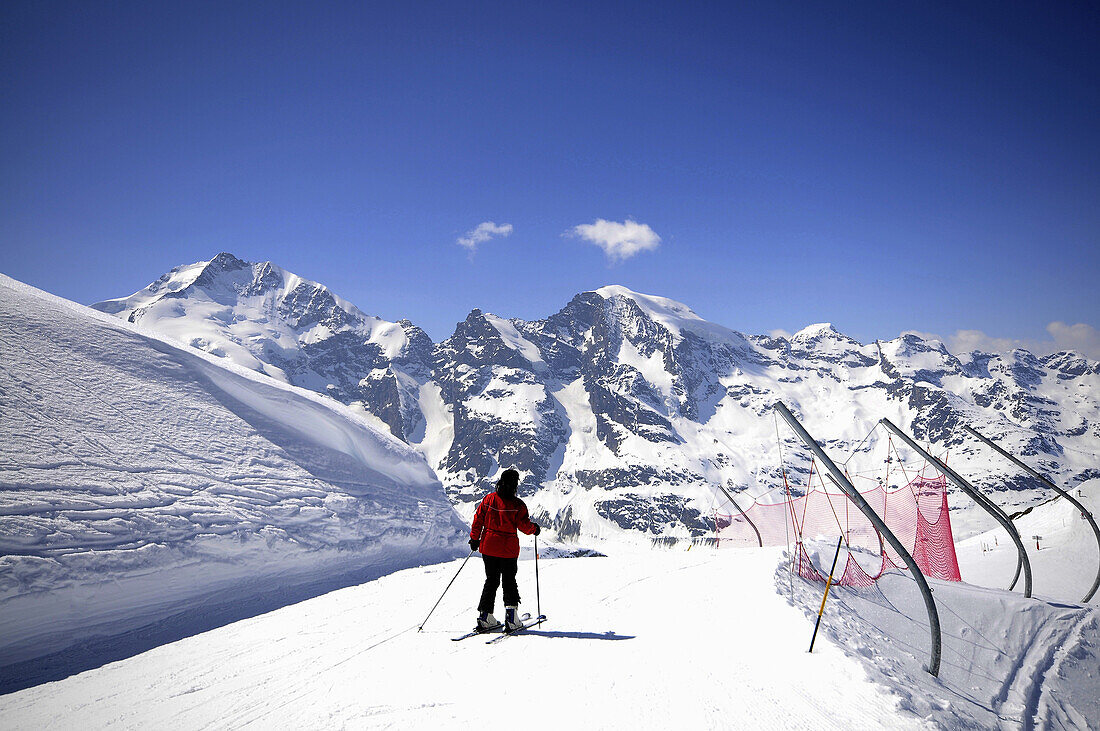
x,y
578,635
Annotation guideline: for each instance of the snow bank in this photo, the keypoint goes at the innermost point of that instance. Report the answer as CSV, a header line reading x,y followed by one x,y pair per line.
x,y
144,482
1007,661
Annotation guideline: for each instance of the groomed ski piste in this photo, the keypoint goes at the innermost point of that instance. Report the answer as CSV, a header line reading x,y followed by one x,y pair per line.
x,y
637,638
701,638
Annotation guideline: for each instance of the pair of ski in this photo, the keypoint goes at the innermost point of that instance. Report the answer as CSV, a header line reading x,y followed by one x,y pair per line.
x,y
500,634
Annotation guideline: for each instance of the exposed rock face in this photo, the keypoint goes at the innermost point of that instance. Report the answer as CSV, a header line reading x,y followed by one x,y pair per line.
x,y
623,411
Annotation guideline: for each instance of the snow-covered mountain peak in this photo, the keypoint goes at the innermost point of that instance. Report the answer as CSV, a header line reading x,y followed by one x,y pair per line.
x,y
823,342
823,334
913,345
175,280
1070,363
815,331
267,319
226,280
911,356
674,315
1024,357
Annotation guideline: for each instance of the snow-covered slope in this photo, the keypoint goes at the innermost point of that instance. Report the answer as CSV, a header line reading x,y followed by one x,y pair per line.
x,y
625,411
637,640
1065,561
140,479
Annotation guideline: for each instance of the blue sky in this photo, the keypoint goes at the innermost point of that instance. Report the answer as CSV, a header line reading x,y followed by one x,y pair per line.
x,y
885,166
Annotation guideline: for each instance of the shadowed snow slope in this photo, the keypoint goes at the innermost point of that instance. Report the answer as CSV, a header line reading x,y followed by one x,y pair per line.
x,y
140,479
636,640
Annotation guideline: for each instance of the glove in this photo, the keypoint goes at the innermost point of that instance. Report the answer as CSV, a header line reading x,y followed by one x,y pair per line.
x,y
474,543
537,529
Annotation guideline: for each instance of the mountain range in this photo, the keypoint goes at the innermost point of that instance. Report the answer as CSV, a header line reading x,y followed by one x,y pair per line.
x,y
624,412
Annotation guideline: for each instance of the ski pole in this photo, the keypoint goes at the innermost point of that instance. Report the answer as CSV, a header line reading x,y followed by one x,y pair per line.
x,y
538,598
827,585
437,601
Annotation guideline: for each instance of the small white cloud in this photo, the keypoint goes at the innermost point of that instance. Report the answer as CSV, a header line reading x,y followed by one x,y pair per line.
x,y
1080,338
482,233
779,333
1085,339
965,341
619,241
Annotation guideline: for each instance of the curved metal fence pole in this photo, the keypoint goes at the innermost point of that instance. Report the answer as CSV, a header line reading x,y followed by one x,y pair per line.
x,y
730,498
989,506
1084,511
880,525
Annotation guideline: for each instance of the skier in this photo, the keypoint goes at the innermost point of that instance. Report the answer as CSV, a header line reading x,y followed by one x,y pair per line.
x,y
496,521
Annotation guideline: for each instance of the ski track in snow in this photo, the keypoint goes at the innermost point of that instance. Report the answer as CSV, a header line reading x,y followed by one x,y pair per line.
x,y
1049,651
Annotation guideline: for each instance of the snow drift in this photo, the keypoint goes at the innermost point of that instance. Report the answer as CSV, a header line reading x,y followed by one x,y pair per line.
x,y
140,479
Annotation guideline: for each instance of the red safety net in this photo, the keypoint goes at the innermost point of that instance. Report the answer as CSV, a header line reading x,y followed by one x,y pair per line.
x,y
916,513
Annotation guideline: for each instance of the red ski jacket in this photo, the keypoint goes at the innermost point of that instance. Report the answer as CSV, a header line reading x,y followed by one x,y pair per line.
x,y
496,521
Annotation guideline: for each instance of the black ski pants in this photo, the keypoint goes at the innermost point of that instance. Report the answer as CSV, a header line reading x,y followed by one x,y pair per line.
x,y
498,571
